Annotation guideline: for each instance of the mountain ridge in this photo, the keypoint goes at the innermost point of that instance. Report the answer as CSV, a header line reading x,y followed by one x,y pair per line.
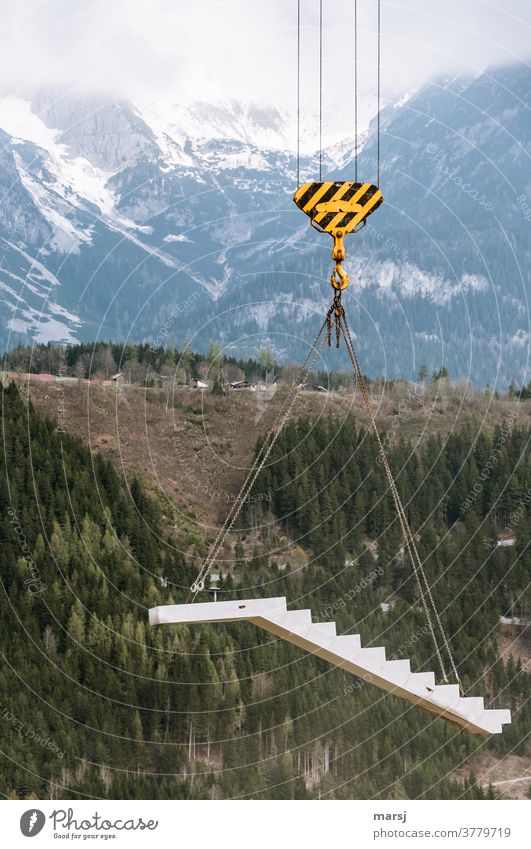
x,y
130,220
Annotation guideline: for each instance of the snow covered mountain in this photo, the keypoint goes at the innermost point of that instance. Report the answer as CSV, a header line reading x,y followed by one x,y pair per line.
x,y
136,221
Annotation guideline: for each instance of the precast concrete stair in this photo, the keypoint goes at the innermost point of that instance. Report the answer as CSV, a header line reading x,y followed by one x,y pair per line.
x,y
346,652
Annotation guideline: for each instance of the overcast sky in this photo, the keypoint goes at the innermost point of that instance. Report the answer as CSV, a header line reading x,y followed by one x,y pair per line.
x,y
247,48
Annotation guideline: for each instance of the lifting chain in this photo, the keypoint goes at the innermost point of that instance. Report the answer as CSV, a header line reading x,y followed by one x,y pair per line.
x,y
336,318
418,569
261,458
336,312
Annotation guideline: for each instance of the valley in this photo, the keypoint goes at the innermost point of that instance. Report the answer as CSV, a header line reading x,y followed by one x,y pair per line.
x,y
127,520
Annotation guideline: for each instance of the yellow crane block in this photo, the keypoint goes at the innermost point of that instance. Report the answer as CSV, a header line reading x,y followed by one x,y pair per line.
x,y
338,208
337,205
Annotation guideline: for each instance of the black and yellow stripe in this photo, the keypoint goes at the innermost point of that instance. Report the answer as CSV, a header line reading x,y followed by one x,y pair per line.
x,y
338,205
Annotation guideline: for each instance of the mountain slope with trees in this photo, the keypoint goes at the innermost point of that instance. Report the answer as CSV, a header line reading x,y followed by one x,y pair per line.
x,y
122,711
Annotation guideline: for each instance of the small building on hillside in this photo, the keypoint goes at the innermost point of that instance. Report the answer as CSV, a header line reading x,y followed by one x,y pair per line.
x,y
241,384
312,387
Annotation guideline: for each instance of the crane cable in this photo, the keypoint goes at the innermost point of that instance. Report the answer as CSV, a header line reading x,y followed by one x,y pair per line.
x,y
378,89
320,90
355,91
298,91
378,86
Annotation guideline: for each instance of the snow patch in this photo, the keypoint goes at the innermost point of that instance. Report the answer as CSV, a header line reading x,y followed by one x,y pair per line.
x,y
520,338
17,119
41,328
264,127
410,280
73,179
174,237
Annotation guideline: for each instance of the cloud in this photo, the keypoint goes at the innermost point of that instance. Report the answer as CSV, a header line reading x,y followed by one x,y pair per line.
x,y
96,45
246,48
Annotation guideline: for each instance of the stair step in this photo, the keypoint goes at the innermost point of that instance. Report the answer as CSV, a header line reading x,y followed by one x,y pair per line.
x,y
495,719
471,704
373,657
296,619
322,631
347,645
423,681
398,671
448,694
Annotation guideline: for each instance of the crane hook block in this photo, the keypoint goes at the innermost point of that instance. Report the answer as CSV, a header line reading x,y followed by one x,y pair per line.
x,y
338,208
335,205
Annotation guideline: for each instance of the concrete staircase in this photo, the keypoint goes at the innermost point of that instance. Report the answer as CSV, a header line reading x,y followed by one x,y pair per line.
x,y
370,664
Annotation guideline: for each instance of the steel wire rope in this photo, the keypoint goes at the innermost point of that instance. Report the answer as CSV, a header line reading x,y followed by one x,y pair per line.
x,y
355,91
320,90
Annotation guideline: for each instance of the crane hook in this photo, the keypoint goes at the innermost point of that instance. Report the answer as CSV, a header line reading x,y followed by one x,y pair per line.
x,y
339,277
